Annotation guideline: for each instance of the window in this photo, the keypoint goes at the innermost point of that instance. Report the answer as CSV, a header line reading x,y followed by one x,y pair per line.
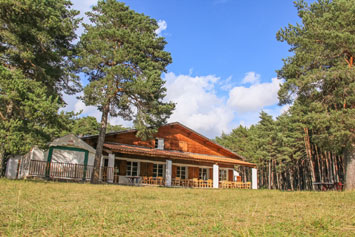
x,y
132,168
158,170
203,174
181,172
159,143
222,175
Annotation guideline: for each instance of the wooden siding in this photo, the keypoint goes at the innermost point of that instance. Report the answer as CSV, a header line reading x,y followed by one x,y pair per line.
x,y
230,175
150,169
174,171
143,169
122,165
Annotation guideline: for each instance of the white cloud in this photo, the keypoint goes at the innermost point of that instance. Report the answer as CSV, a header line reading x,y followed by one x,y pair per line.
x,y
76,105
197,105
226,84
83,6
162,26
251,78
253,98
285,108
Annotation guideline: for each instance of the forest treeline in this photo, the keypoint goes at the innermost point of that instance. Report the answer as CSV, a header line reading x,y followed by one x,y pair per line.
x,y
314,140
286,152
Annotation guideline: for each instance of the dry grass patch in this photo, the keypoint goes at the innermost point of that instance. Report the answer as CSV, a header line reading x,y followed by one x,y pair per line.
x,y
49,208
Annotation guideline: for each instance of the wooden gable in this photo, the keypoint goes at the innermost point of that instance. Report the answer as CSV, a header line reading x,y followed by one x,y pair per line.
x,y
176,137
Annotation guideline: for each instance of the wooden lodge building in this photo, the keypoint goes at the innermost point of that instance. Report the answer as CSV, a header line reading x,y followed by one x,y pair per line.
x,y
176,156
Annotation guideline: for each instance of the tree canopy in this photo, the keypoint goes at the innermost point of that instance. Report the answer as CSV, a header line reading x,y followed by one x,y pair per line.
x,y
314,140
123,59
36,53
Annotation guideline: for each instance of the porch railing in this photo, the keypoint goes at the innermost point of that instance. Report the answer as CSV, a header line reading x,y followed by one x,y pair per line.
x,y
56,170
59,170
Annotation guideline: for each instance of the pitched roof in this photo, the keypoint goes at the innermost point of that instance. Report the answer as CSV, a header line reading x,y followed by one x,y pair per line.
x,y
71,140
232,153
178,155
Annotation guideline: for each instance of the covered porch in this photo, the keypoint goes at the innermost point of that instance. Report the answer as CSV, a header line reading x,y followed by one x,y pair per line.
x,y
132,165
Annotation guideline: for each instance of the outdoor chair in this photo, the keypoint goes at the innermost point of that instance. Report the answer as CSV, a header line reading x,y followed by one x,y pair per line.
x,y
202,183
145,180
160,181
195,182
176,181
184,182
152,180
248,185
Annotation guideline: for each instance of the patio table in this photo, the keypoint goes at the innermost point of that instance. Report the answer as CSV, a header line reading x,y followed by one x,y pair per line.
x,y
133,180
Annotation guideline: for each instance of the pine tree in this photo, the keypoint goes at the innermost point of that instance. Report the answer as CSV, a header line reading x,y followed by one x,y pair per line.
x,y
321,76
123,59
36,38
28,116
35,68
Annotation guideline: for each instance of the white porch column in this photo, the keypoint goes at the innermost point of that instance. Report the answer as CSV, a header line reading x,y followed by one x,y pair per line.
x,y
215,176
101,165
168,173
254,178
235,174
111,161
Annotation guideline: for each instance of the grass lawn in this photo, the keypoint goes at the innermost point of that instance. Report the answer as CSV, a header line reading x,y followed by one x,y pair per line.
x,y
30,208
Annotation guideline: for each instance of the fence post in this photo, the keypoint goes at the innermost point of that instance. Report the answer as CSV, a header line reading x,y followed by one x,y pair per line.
x,y
49,159
85,164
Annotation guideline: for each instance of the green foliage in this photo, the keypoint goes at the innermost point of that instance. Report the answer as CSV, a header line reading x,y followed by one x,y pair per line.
x,y
28,116
123,59
320,75
35,38
89,126
35,68
320,84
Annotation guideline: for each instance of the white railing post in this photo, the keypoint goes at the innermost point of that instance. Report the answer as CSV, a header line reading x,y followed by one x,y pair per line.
x,y
111,161
215,176
235,175
168,173
254,178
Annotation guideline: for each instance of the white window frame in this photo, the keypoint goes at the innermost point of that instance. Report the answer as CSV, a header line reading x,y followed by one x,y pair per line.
x,y
129,172
159,143
179,170
220,174
156,174
207,173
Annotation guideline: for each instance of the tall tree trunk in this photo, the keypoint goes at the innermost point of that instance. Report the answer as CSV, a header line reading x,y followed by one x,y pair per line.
x,y
100,143
349,158
309,154
291,179
269,179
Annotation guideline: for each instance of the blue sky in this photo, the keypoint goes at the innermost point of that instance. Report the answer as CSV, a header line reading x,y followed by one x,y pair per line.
x,y
225,54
